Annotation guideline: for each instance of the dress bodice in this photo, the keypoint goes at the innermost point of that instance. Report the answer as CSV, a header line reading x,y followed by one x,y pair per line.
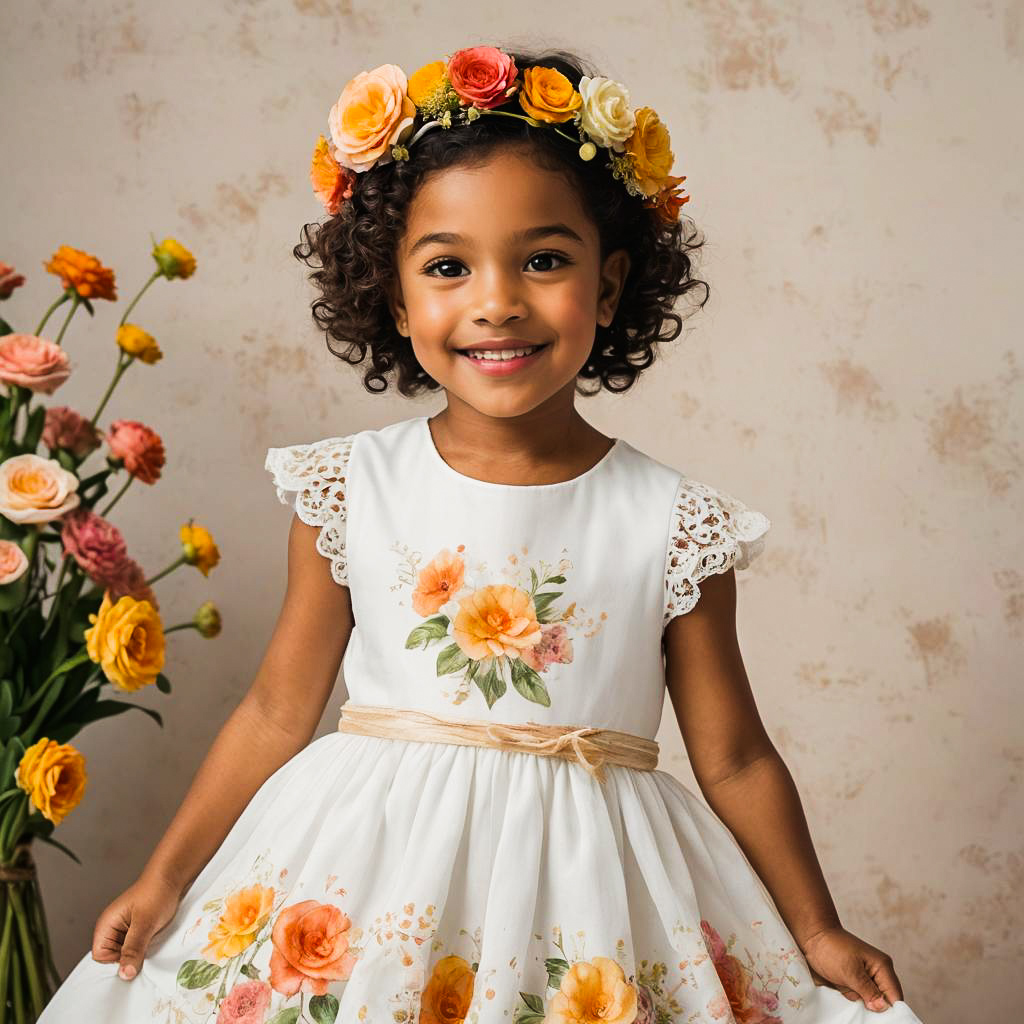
x,y
513,603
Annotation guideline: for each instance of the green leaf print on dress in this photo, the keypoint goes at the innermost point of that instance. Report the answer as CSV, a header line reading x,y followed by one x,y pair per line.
x,y
493,634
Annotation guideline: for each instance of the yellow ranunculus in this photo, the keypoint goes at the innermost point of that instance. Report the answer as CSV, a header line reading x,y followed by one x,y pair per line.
x,y
173,259
651,150
53,775
549,96
139,343
200,549
82,272
127,641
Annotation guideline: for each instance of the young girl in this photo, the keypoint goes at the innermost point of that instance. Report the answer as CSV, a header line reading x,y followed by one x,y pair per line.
x,y
487,837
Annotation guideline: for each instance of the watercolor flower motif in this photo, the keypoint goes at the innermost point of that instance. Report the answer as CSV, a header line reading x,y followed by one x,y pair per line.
x,y
747,1003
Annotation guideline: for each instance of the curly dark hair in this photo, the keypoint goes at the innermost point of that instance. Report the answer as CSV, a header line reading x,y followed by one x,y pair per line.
x,y
352,254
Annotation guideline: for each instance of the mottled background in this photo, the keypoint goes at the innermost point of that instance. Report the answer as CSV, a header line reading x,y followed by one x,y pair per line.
x,y
857,169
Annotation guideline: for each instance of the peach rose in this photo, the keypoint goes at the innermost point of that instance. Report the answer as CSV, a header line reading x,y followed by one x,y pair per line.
x,y
53,774
748,1003
650,148
438,582
138,447
447,995
246,1003
95,543
245,913
83,273
332,183
482,76
594,991
495,620
33,362
126,640
13,562
372,114
311,948
36,490
9,280
548,95
65,428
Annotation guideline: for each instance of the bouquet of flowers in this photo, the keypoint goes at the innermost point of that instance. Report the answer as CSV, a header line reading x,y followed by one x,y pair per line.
x,y
78,615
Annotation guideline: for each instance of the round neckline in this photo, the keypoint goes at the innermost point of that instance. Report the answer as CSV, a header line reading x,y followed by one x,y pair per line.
x,y
436,457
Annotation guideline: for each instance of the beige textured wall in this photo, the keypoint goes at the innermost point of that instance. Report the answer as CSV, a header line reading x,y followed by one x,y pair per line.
x,y
857,377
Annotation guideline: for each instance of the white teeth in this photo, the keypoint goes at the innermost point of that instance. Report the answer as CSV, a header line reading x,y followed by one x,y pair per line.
x,y
484,353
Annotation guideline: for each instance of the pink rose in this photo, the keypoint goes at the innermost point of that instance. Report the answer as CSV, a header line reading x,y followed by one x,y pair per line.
x,y
747,1003
246,1003
13,562
481,75
9,280
372,113
65,428
138,447
553,648
130,581
36,490
94,543
33,362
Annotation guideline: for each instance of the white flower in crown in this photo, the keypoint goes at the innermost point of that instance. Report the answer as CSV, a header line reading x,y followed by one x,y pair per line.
x,y
607,116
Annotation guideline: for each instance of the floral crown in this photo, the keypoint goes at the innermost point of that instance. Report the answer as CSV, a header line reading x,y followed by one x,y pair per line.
x,y
381,114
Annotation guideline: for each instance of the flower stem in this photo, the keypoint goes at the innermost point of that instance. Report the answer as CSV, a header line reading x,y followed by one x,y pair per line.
x,y
119,370
76,302
117,496
131,306
28,950
65,295
160,575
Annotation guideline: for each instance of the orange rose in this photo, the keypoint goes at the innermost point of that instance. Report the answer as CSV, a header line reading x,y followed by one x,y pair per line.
x,y
549,96
332,183
650,148
372,114
84,273
448,993
438,582
245,913
53,775
495,620
311,948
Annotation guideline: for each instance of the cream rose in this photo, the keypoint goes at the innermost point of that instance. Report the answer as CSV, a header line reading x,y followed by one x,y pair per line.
x,y
13,562
607,116
36,490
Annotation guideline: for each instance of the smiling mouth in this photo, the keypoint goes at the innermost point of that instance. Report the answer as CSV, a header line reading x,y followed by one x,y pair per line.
x,y
501,355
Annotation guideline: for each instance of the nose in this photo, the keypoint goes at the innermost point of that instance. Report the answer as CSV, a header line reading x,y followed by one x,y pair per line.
x,y
498,297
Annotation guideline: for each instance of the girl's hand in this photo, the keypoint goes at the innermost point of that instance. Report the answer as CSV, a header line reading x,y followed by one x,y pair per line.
x,y
853,966
126,925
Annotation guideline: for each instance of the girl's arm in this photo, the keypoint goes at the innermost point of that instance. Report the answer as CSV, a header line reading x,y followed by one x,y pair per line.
x,y
275,719
741,774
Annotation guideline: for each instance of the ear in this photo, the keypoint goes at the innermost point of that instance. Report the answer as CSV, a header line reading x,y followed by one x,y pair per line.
x,y
396,305
613,279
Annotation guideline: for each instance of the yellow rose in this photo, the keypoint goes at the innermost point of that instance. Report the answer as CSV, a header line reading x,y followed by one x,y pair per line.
x,y
127,641
427,84
448,993
495,620
139,343
651,150
594,991
245,913
548,95
53,775
173,259
200,550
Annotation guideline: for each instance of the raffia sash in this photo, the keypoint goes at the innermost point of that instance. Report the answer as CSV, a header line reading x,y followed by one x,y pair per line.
x,y
590,746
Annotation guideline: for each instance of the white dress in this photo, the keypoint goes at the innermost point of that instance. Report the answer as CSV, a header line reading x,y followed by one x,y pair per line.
x,y
374,881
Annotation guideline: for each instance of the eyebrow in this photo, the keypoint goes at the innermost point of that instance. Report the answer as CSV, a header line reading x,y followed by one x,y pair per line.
x,y
527,235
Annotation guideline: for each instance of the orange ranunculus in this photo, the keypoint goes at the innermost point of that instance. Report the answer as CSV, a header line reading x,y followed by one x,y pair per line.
x,y
650,148
204,554
495,620
127,641
84,273
594,991
332,183
53,775
139,343
668,201
438,582
311,948
245,913
549,96
446,997
427,84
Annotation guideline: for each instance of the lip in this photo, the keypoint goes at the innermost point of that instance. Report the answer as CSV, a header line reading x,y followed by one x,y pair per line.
x,y
503,367
499,344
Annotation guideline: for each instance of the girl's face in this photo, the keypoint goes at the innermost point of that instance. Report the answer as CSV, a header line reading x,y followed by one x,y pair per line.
x,y
504,255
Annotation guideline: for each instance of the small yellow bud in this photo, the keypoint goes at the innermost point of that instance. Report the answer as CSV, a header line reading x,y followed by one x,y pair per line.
x,y
588,151
173,259
207,619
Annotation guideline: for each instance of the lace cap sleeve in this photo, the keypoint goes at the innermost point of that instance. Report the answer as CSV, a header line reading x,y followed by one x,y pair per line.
x,y
710,532
313,479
